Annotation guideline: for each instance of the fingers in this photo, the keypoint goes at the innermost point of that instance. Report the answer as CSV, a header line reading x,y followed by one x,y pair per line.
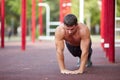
x,y
66,72
71,72
76,72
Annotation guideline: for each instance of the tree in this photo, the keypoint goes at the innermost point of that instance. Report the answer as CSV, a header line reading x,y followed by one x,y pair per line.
x,y
75,7
118,8
13,11
92,11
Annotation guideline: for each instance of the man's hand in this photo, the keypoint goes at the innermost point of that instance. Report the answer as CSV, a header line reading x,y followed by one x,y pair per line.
x,y
65,71
71,72
77,72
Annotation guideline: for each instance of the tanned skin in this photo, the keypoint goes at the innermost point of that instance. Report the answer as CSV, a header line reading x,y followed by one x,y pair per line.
x,y
77,35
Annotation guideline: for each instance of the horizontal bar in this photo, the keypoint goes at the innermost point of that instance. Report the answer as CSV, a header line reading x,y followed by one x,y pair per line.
x,y
52,30
117,45
54,23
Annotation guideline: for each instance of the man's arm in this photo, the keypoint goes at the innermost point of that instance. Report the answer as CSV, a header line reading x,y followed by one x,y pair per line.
x,y
84,55
60,55
59,41
85,40
84,44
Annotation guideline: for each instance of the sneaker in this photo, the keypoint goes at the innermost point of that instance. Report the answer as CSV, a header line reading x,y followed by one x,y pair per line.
x,y
78,62
89,63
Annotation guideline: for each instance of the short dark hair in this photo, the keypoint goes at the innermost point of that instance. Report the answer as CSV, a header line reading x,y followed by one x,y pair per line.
x,y
70,20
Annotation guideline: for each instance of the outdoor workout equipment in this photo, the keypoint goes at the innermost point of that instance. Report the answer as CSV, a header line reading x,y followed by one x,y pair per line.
x,y
117,32
65,8
2,16
107,24
23,22
108,28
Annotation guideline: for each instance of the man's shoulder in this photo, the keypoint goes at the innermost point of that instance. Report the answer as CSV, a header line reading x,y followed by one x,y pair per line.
x,y
59,33
81,25
60,29
84,30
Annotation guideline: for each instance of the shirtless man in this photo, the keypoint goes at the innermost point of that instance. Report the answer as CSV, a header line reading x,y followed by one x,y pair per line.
x,y
76,36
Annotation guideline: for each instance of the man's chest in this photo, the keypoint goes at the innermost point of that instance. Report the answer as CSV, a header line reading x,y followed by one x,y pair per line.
x,y
74,40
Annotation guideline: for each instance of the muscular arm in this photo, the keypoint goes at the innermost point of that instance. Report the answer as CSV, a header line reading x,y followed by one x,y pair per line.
x,y
84,44
60,55
85,40
59,41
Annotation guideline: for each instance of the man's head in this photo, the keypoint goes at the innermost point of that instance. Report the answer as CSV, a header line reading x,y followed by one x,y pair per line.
x,y
70,20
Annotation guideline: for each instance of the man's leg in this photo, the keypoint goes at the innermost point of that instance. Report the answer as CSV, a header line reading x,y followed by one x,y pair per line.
x,y
78,62
89,62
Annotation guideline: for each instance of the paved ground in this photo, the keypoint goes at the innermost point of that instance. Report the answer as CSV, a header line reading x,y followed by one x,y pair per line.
x,y
39,62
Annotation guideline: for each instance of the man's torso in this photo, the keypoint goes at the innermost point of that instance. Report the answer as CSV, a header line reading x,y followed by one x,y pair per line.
x,y
73,39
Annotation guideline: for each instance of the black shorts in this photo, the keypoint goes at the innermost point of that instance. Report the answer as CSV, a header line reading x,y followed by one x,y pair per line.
x,y
76,50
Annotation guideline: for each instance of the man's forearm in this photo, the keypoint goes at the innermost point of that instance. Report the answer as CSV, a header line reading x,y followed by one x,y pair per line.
x,y
60,58
84,58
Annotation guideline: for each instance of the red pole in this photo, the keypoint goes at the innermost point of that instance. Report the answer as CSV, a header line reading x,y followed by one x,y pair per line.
x,y
2,22
111,19
68,7
108,27
102,25
40,19
105,25
0,15
65,8
61,17
33,20
104,21
23,24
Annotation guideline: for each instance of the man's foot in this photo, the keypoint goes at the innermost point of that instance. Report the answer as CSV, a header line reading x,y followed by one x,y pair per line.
x,y
78,62
89,63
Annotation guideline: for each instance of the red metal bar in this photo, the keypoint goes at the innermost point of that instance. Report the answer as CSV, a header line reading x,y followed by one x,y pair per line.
x,y
67,8
111,18
107,28
101,24
61,18
64,8
40,19
2,22
0,14
23,22
33,20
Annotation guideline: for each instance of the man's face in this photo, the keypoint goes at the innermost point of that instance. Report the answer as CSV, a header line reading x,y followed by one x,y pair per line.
x,y
71,29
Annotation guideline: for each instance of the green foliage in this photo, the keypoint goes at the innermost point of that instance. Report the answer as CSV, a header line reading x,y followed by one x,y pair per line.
x,y
12,13
118,8
92,11
14,6
75,7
